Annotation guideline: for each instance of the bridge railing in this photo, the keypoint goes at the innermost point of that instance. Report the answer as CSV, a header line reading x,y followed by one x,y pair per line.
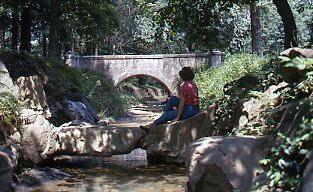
x,y
214,58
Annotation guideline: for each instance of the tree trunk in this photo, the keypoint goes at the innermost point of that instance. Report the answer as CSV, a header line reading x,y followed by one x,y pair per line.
x,y
311,39
44,45
256,29
26,27
2,34
72,40
289,23
54,38
15,28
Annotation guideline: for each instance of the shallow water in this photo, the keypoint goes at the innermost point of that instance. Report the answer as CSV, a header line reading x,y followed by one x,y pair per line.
x,y
123,173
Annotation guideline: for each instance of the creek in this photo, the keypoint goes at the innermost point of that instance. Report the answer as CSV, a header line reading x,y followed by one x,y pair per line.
x,y
121,173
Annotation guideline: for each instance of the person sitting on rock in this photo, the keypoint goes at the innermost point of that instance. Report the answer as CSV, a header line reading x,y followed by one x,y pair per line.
x,y
182,107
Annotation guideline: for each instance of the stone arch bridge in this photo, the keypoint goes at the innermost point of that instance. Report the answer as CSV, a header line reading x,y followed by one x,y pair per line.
x,y
163,68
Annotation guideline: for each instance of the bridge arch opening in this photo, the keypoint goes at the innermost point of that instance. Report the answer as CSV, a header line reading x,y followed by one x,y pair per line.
x,y
144,80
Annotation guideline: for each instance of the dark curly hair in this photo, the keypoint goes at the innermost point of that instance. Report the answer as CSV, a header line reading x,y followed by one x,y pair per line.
x,y
187,74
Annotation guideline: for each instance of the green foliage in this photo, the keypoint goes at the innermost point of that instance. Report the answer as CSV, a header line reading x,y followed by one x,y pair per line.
x,y
305,87
101,93
211,81
288,160
90,21
302,64
10,107
98,89
296,69
224,24
299,72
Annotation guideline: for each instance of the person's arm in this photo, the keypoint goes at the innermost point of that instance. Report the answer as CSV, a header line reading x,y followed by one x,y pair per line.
x,y
180,107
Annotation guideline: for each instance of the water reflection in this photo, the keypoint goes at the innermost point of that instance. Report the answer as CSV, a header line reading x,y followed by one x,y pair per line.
x,y
122,174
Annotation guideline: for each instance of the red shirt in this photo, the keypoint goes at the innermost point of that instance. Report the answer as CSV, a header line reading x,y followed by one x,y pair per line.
x,y
189,90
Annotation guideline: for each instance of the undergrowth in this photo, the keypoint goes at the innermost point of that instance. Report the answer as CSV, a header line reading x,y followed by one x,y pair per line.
x,y
10,108
211,81
100,91
288,160
61,81
293,148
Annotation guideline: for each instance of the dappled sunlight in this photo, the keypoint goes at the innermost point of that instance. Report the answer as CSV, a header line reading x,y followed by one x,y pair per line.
x,y
236,157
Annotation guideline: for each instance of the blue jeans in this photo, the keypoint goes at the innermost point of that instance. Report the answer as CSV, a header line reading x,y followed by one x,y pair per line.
x,y
171,110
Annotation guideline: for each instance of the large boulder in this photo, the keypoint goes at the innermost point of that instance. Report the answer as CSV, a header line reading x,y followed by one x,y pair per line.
x,y
168,143
38,136
97,140
296,51
290,116
225,163
6,83
81,111
8,161
41,140
32,92
250,111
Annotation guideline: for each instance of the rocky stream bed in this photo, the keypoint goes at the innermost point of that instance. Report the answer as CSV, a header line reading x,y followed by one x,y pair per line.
x,y
119,173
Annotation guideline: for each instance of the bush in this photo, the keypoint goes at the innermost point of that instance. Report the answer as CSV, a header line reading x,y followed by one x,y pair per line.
x,y
10,108
211,81
100,91
236,82
288,160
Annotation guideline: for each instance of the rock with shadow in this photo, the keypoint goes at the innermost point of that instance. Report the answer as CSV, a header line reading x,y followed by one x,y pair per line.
x,y
6,82
168,143
225,163
308,177
97,141
33,178
8,162
42,140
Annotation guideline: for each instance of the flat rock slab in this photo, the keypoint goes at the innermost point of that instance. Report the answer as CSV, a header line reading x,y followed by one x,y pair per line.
x,y
42,140
168,143
97,141
225,163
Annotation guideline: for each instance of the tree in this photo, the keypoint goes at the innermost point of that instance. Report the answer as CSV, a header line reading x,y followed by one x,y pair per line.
x,y
15,30
290,27
2,32
26,28
256,28
88,23
54,44
199,20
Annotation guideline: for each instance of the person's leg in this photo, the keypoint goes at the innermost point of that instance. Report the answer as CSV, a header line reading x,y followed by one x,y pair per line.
x,y
171,103
166,116
190,111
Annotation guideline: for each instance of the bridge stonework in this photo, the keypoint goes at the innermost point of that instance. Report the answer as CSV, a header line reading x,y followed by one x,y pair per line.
x,y
164,68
